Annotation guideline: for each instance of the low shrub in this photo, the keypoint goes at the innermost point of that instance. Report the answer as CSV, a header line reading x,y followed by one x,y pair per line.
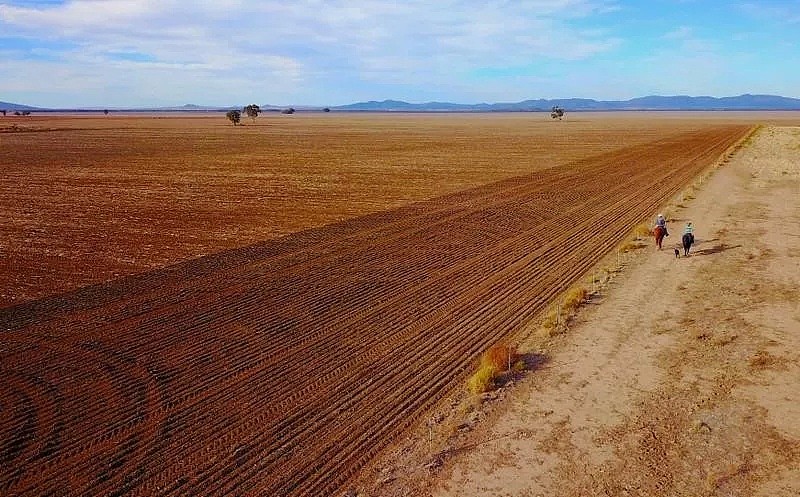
x,y
498,359
483,379
573,299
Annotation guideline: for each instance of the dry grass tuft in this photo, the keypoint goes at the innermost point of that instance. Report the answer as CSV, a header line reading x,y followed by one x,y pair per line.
x,y
631,246
750,137
551,325
556,319
500,356
494,362
642,231
762,360
482,380
573,300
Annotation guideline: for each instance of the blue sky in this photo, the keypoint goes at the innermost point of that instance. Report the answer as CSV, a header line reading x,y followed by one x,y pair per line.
x,y
118,53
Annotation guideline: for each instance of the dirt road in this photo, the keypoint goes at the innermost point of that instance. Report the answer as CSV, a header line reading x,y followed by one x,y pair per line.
x,y
684,381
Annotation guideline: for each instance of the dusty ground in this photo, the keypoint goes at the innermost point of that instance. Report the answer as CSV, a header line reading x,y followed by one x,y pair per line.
x,y
683,381
88,198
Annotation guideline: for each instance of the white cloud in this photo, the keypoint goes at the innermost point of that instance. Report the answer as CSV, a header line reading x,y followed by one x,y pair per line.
x,y
287,45
679,33
80,16
684,40
781,13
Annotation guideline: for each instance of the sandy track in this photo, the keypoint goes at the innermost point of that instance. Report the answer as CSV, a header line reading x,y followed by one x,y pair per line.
x,y
282,368
684,381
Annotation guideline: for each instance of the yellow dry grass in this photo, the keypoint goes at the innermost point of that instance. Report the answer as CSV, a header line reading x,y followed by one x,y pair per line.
x,y
482,380
641,231
557,318
631,245
498,359
573,299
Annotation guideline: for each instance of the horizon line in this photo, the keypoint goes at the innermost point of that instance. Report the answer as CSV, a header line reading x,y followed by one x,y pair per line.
x,y
273,107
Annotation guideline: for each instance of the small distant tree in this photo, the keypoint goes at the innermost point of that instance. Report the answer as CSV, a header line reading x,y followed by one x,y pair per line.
x,y
4,112
26,113
557,112
234,116
105,111
290,110
252,111
17,113
326,109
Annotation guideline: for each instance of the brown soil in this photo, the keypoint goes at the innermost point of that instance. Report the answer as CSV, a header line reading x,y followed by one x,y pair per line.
x,y
284,367
683,381
87,199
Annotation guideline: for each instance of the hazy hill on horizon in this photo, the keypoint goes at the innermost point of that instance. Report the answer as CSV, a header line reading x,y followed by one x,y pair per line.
x,y
8,106
652,102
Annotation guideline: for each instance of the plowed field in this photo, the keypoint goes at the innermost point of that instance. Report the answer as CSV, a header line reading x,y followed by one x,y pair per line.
x,y
87,199
282,367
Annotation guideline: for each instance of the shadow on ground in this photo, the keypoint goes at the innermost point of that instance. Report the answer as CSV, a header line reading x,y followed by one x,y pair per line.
x,y
533,361
716,249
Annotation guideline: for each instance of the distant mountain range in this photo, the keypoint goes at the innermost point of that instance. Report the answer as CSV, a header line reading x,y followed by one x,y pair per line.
x,y
742,102
12,107
680,102
9,106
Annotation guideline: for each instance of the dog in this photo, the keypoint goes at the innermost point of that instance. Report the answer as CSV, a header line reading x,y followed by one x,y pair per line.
x,y
677,253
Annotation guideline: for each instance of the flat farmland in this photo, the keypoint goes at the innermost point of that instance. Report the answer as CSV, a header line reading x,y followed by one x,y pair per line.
x,y
352,269
87,199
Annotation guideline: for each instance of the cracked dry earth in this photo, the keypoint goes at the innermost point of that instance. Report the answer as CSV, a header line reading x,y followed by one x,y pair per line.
x,y
685,381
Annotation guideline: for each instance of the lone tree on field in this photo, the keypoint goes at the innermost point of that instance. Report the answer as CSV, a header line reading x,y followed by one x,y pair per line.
x,y
234,116
557,112
326,109
290,110
105,111
252,111
4,112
